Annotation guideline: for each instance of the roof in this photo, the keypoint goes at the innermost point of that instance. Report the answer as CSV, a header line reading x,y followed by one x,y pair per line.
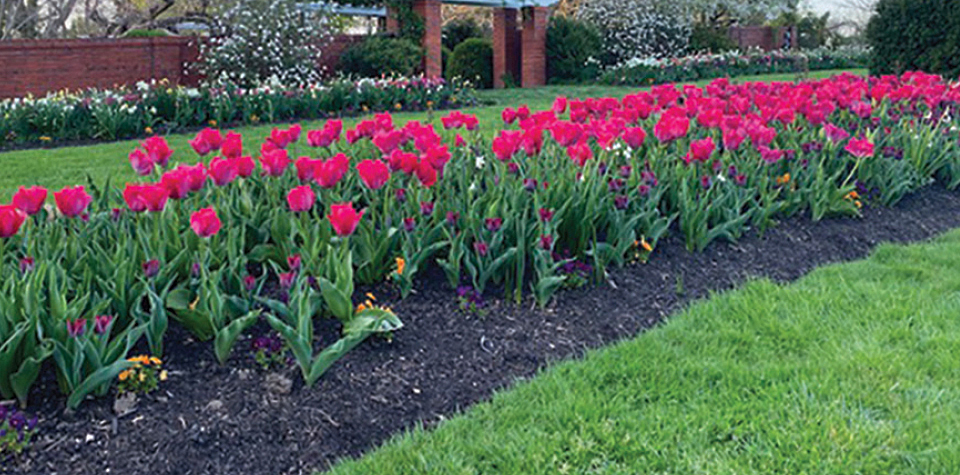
x,y
382,12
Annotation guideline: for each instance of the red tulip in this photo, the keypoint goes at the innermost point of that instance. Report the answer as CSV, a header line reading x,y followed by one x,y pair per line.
x,y
11,218
437,156
158,151
283,138
373,173
344,218
301,199
700,150
30,200
205,222
306,168
196,176
673,124
149,197
176,183
131,194
329,172
860,148
459,141
506,144
580,153
141,163
732,138
426,174
559,105
154,196
232,146
72,202
244,165
835,134
207,141
275,162
389,141
222,171
634,137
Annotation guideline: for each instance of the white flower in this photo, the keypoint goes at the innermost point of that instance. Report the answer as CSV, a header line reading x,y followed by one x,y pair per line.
x,y
480,162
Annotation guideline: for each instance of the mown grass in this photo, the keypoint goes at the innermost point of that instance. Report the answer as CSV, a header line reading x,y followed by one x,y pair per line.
x,y
58,167
854,369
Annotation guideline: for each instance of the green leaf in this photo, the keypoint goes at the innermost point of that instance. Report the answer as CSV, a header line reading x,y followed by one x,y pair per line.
x,y
227,337
23,379
98,378
338,303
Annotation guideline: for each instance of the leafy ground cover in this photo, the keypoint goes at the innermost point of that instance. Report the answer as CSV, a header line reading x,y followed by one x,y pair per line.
x,y
57,167
853,369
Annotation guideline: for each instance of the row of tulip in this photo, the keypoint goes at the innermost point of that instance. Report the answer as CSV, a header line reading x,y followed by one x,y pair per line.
x,y
648,71
159,107
589,184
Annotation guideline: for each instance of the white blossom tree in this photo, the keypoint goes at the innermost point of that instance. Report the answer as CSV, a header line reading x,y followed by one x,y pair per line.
x,y
260,42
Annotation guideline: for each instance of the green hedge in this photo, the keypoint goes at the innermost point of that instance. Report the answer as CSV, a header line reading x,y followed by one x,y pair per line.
x,y
472,60
572,50
921,35
379,55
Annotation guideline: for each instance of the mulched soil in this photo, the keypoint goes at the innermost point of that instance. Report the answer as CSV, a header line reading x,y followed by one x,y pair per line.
x,y
237,420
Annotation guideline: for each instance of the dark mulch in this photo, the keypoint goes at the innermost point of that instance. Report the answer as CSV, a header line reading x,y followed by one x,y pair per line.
x,y
223,420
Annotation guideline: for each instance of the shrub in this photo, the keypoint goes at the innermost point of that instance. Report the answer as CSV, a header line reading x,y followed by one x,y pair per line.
x,y
915,35
458,31
572,50
705,38
379,55
264,41
473,61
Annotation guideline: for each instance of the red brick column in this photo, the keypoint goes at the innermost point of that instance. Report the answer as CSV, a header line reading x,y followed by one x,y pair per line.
x,y
431,12
391,23
534,46
506,46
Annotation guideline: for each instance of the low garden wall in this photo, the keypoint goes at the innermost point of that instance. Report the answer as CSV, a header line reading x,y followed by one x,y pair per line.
x,y
40,66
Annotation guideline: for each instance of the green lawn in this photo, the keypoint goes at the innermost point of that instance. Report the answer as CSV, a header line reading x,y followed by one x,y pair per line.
x,y
55,168
854,369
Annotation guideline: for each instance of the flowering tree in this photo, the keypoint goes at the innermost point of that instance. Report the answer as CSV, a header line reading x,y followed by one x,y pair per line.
x,y
661,28
635,28
265,41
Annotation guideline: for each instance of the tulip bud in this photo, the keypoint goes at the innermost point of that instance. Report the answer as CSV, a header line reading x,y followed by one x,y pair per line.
x,y
27,264
426,208
151,268
101,324
481,248
76,327
294,262
287,279
546,242
621,202
250,283
409,224
494,224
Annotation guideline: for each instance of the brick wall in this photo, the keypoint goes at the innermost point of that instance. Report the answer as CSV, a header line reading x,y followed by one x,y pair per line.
x,y
764,37
41,66
534,46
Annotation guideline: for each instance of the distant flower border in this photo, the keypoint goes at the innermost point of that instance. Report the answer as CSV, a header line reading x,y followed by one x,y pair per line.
x,y
159,107
648,70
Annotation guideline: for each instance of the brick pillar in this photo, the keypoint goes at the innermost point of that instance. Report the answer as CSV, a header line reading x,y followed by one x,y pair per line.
x,y
506,46
534,42
431,12
391,24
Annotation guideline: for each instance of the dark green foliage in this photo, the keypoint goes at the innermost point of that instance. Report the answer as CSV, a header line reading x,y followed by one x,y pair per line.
x,y
379,55
473,60
915,35
705,38
572,49
458,31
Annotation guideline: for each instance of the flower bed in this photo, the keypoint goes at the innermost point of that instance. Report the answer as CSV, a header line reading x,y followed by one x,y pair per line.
x,y
158,107
648,71
219,245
